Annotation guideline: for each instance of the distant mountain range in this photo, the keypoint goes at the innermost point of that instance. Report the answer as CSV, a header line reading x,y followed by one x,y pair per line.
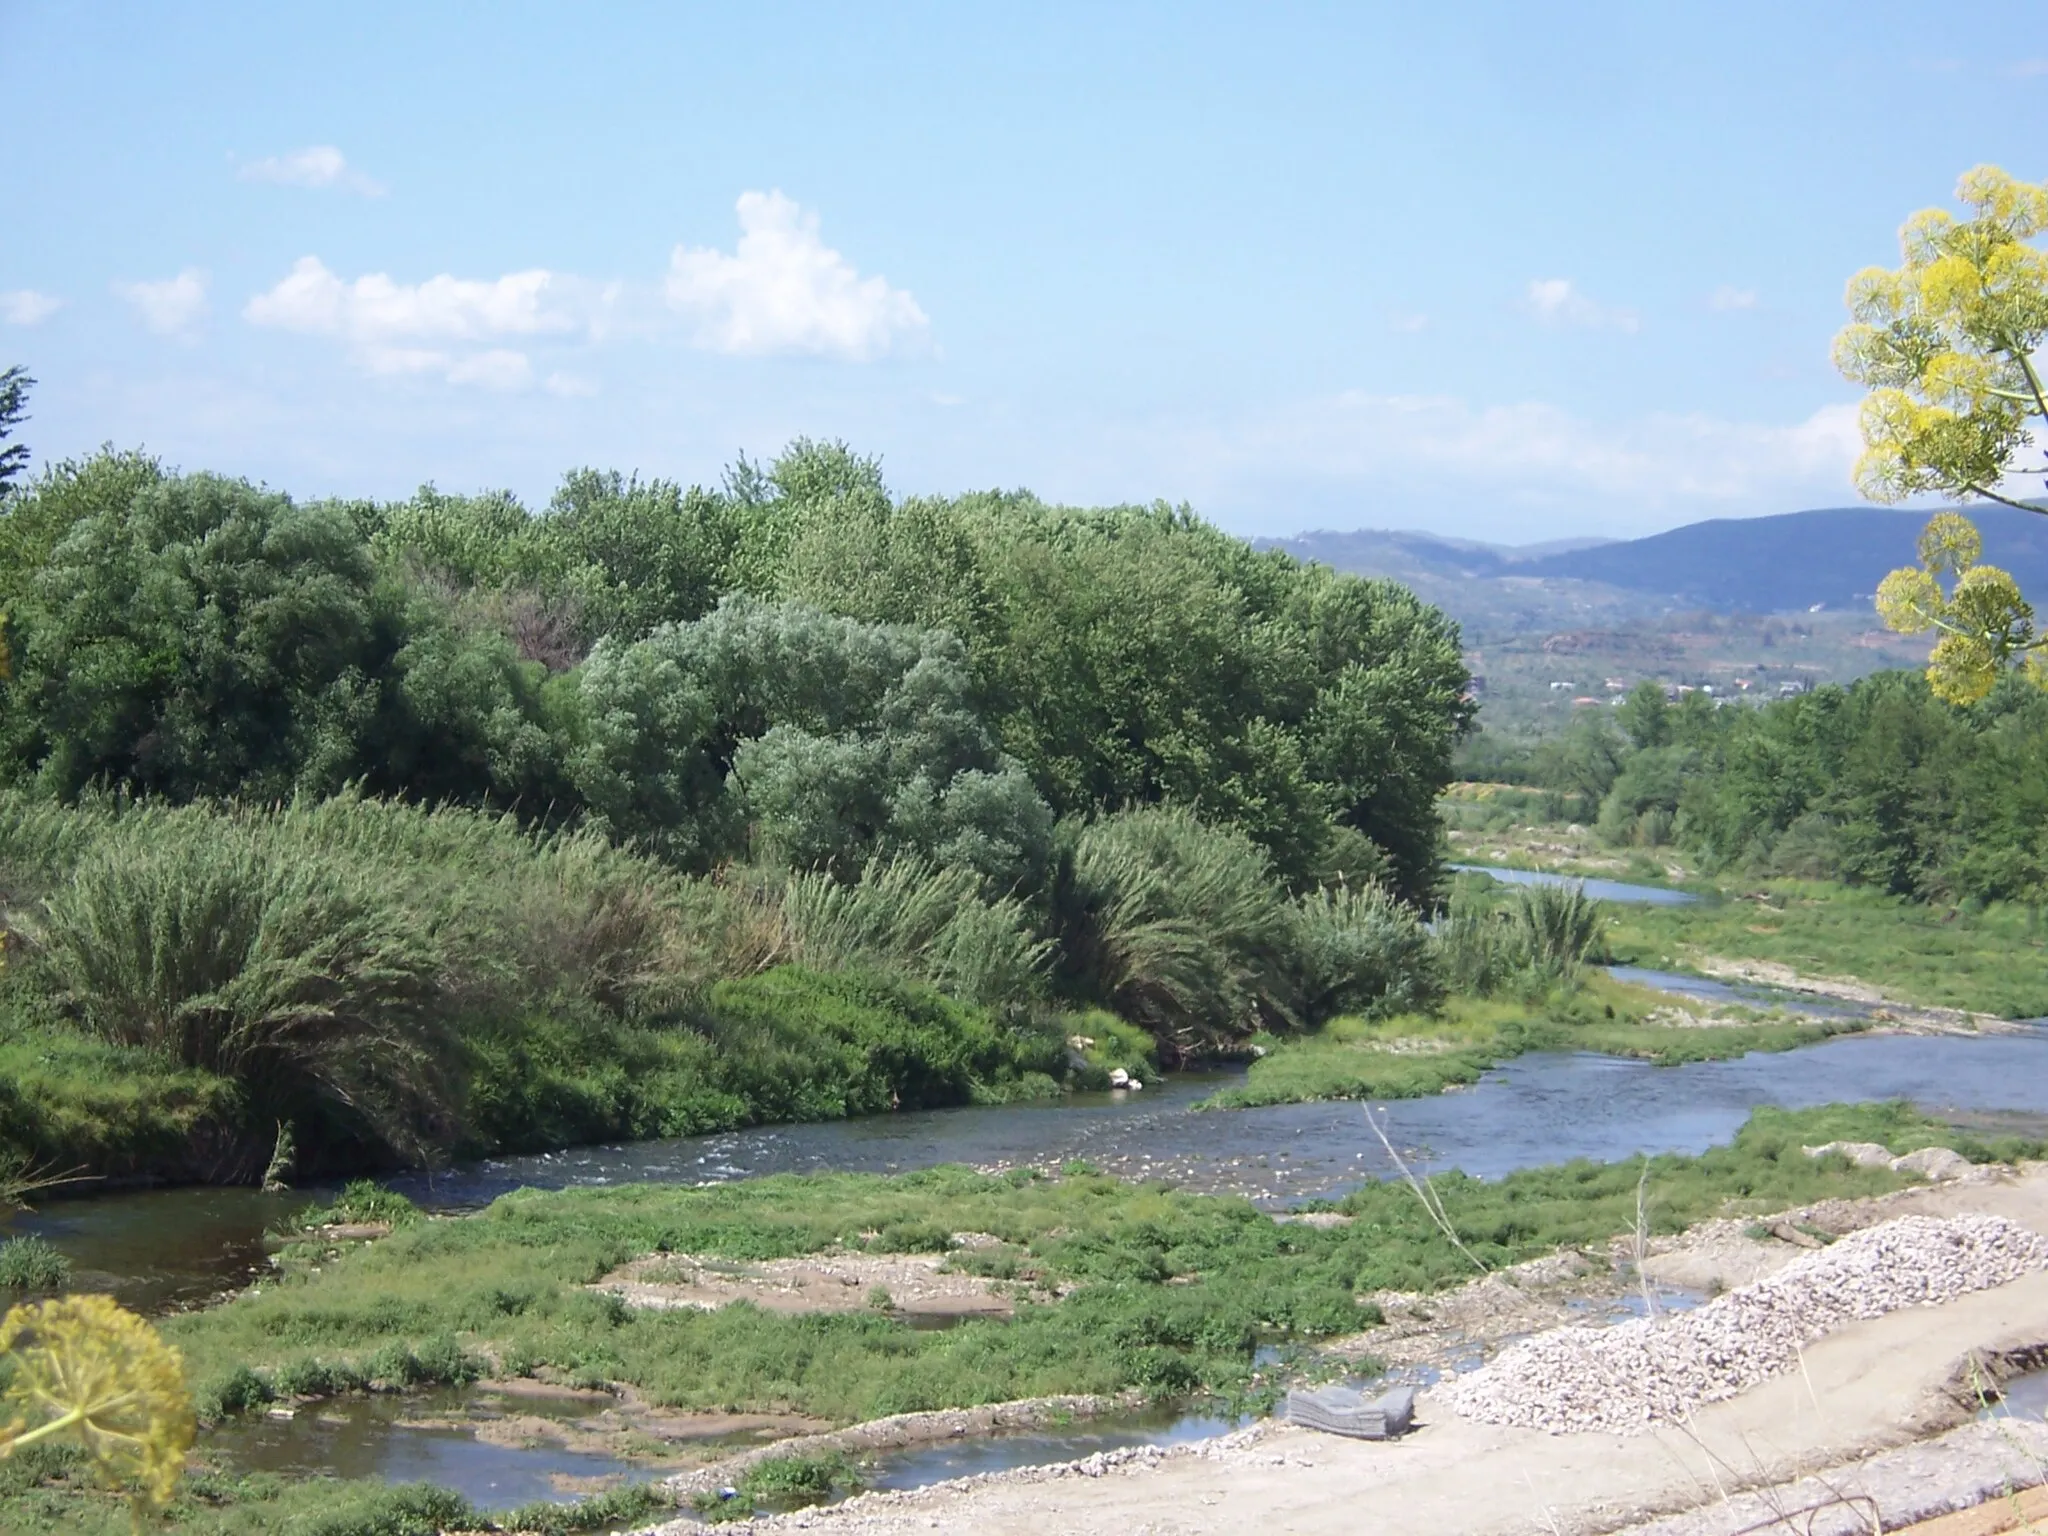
x,y
1833,557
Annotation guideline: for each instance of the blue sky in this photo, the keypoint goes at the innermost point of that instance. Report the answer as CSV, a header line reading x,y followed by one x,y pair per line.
x,y
1502,271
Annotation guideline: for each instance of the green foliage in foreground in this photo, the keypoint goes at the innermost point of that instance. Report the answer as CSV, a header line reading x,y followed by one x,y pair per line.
x,y
1412,1056
51,1490
1992,961
1169,1293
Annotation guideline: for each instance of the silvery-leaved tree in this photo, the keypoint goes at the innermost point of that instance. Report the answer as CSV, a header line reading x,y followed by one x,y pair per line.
x,y
1949,345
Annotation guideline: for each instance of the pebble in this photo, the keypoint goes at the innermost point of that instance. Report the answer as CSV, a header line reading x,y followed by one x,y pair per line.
x,y
1623,1379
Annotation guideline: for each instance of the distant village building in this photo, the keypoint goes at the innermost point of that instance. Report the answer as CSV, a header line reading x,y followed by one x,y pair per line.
x,y
1617,685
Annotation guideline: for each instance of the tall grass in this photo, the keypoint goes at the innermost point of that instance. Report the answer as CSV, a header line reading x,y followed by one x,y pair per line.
x,y
225,946
1543,937
1185,929
327,957
926,922
1362,951
1181,927
1557,928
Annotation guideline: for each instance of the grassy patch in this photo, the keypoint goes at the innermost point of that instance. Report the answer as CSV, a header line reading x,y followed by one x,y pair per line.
x,y
1989,961
780,1482
68,1101
1167,1293
1412,1056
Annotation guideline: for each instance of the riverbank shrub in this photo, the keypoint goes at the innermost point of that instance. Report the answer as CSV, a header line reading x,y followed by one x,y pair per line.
x,y
810,1045
1557,930
1181,928
227,950
397,983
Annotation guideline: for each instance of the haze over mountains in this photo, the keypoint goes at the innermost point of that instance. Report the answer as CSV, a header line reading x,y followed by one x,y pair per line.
x,y
1833,557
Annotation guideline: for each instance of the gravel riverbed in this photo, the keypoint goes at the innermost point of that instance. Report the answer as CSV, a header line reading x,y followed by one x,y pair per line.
x,y
1623,1379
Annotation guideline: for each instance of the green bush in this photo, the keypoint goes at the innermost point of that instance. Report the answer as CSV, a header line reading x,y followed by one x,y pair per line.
x,y
216,944
796,1044
31,1264
1360,951
1558,928
1180,927
610,1510
362,1200
926,922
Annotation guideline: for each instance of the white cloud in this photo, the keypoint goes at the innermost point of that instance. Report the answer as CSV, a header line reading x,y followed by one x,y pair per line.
x,y
24,306
398,328
1530,458
498,368
170,307
318,165
2028,68
373,310
1557,301
1729,297
571,386
784,290
1408,324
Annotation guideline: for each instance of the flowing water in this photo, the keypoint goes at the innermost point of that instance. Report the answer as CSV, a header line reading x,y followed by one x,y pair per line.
x,y
1599,890
167,1248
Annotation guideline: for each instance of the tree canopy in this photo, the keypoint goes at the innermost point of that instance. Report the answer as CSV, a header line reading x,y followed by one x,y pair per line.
x,y
793,665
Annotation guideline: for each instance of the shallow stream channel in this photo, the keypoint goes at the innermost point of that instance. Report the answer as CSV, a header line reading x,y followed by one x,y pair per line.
x,y
163,1250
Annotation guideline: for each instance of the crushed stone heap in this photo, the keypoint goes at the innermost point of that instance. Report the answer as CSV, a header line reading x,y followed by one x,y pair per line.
x,y
1621,1380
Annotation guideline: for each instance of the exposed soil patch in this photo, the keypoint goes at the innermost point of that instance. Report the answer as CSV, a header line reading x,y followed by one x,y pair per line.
x,y
919,1284
1889,1013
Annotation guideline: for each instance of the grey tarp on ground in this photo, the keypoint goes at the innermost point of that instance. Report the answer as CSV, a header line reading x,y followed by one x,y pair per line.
x,y
1345,1411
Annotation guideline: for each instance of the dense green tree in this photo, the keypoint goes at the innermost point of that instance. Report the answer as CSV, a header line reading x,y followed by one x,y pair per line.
x,y
826,739
1884,784
194,636
204,637
929,676
1644,716
14,387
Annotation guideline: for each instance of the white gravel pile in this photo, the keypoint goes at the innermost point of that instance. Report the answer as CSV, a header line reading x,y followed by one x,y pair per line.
x,y
1623,1379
